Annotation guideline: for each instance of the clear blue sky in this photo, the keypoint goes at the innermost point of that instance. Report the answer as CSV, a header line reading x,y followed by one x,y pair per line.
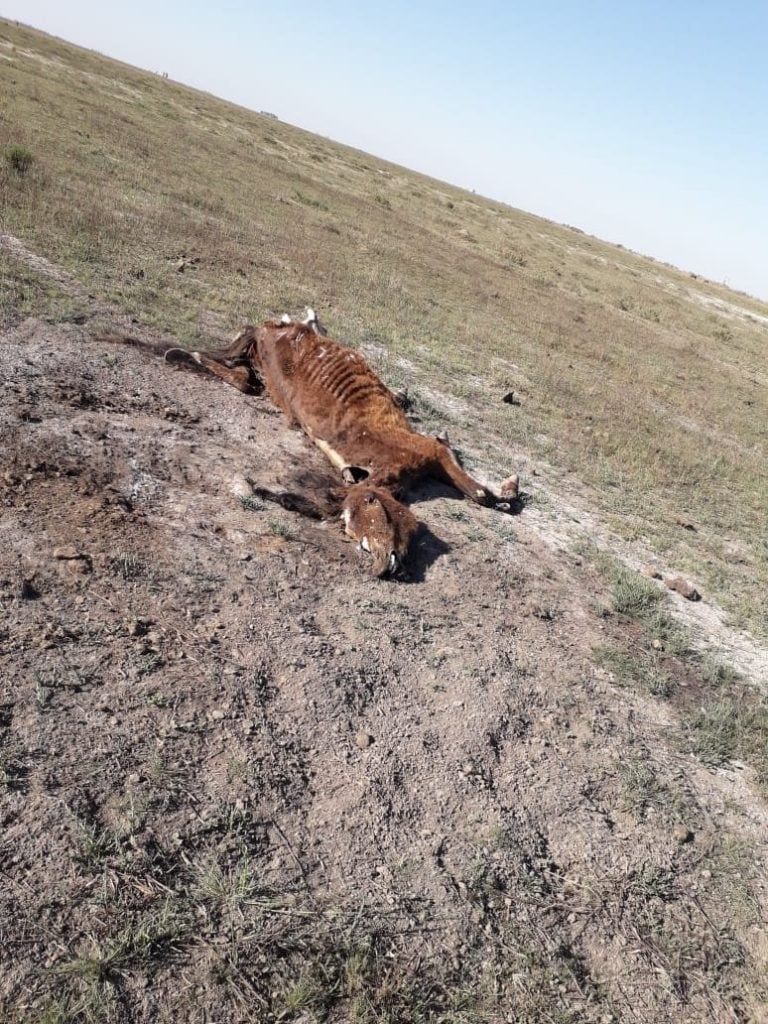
x,y
644,123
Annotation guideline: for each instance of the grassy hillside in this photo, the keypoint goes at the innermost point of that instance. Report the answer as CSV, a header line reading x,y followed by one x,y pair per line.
x,y
647,384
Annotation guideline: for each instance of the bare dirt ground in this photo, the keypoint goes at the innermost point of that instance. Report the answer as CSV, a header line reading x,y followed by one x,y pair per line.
x,y
242,780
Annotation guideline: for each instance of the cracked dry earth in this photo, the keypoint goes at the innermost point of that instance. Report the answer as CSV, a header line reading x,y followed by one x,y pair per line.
x,y
243,780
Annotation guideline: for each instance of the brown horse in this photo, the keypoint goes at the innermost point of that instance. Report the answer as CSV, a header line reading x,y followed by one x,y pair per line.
x,y
330,392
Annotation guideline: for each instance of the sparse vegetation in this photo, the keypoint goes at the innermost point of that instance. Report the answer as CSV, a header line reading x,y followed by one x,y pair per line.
x,y
279,528
19,159
643,670
317,204
250,503
733,724
128,565
633,594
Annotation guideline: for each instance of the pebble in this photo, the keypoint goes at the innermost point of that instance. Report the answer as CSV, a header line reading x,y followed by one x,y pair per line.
x,y
363,740
241,487
683,835
682,587
66,551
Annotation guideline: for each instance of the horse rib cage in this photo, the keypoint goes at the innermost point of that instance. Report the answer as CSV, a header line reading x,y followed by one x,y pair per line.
x,y
342,377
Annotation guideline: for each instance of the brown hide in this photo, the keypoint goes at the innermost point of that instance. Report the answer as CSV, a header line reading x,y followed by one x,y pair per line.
x,y
336,398
331,393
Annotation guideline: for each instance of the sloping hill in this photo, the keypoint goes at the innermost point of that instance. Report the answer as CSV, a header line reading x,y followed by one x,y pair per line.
x,y
240,779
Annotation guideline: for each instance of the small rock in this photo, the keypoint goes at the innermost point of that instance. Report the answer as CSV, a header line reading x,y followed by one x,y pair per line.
x,y
510,398
706,874
682,587
363,740
66,552
241,487
468,768
651,572
657,645
683,835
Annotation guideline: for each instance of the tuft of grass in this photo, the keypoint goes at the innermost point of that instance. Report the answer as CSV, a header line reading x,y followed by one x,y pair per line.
x,y
640,787
141,944
735,725
250,503
95,846
717,674
228,888
633,594
674,638
280,529
642,670
316,204
300,996
128,565
714,732
19,159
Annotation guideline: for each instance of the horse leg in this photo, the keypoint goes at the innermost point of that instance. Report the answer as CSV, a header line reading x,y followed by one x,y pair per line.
x,y
241,377
446,467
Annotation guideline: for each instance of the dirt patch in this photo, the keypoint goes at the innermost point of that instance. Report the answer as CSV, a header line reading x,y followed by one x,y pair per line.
x,y
192,828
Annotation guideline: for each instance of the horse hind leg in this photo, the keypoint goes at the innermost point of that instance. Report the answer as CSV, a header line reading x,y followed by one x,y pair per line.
x,y
239,350
241,377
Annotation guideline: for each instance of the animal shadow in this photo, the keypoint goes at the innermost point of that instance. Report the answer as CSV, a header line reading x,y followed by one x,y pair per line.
x,y
426,547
